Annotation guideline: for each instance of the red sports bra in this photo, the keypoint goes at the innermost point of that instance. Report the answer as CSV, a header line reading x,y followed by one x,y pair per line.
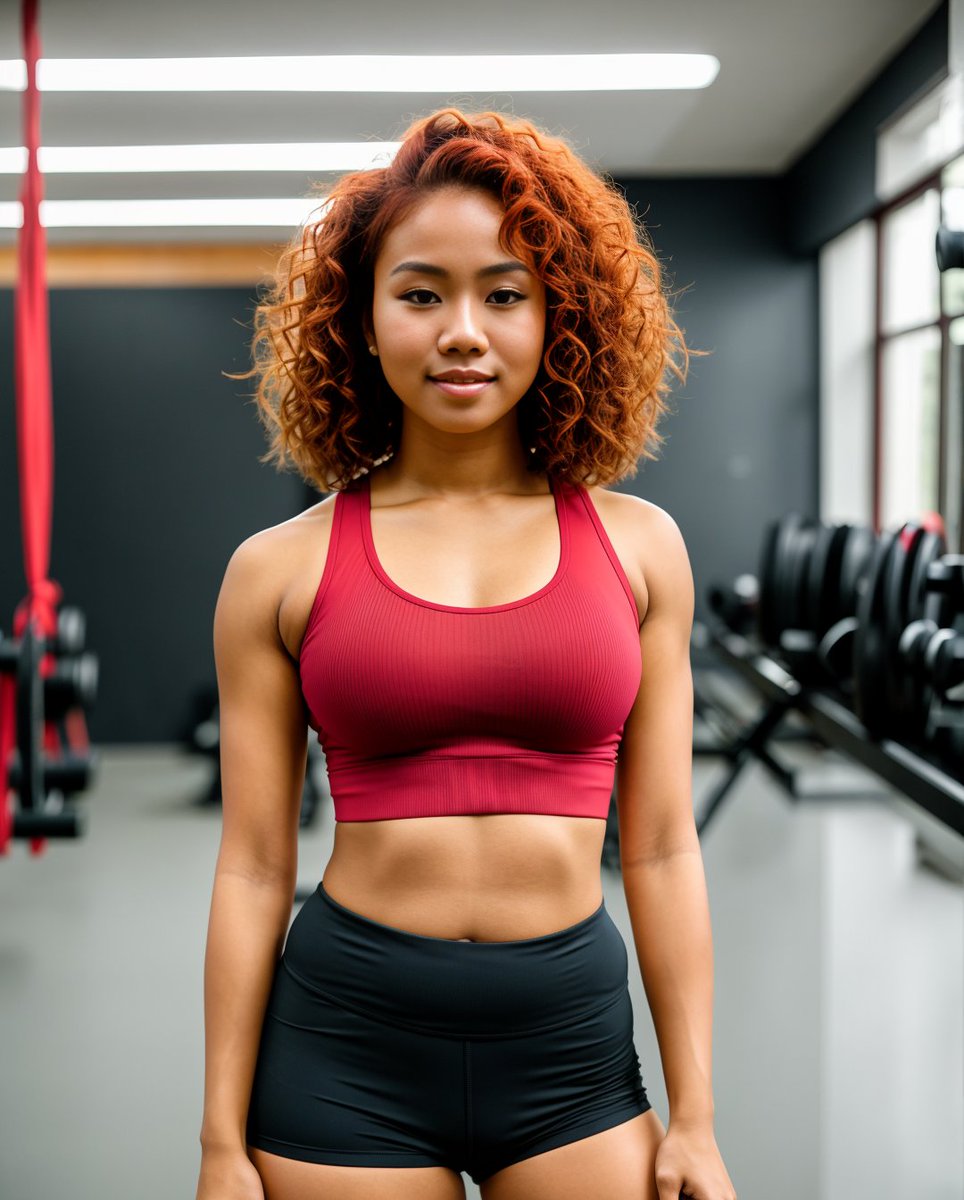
x,y
430,710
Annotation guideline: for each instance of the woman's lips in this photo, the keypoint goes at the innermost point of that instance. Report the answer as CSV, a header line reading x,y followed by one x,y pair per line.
x,y
462,389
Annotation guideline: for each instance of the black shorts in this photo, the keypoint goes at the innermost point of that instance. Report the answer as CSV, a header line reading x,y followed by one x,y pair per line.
x,y
384,1048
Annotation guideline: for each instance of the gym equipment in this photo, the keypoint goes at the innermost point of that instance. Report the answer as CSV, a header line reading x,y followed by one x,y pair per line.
x,y
771,613
931,655
842,613
888,697
932,783
46,681
835,648
738,605
810,575
52,760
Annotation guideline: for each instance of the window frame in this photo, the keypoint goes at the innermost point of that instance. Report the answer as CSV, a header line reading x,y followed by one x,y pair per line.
x,y
883,339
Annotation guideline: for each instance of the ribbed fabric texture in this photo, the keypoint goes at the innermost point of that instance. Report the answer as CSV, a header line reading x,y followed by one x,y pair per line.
x,y
428,709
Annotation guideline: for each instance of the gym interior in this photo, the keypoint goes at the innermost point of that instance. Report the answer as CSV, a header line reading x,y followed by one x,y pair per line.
x,y
808,205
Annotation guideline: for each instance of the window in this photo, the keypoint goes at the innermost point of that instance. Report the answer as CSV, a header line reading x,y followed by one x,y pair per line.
x,y
909,362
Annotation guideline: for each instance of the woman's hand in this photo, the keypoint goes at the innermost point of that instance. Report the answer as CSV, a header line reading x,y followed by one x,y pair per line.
x,y
688,1164
228,1174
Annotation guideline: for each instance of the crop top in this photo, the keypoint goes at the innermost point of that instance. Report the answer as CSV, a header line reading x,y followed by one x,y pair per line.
x,y
426,709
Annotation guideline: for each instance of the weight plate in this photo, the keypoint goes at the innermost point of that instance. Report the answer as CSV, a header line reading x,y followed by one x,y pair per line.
x,y
816,578
830,611
802,598
897,585
857,556
784,566
870,647
766,613
764,573
30,718
929,549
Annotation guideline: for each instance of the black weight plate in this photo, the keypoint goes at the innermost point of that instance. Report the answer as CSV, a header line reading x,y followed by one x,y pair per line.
x,y
816,574
784,569
830,610
908,696
30,716
828,599
870,648
770,619
857,556
800,552
904,697
786,560
897,585
765,617
929,549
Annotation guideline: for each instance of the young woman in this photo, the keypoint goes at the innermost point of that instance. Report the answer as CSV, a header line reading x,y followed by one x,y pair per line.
x,y
467,347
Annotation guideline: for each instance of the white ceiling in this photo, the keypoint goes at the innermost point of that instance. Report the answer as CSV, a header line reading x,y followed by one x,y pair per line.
x,y
788,69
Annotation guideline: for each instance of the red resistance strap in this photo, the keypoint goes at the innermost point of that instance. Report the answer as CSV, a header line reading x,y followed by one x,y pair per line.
x,y
34,421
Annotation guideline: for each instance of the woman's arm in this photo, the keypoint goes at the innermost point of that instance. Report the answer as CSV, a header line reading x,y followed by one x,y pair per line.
x,y
662,867
669,913
263,737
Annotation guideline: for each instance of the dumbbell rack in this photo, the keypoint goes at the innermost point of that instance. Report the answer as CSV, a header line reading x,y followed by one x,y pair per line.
x,y
923,780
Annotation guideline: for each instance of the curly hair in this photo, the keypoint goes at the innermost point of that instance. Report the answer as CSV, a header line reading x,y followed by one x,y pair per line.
x,y
592,410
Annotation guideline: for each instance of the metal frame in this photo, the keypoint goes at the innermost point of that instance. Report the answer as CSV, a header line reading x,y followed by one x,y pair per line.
x,y
923,780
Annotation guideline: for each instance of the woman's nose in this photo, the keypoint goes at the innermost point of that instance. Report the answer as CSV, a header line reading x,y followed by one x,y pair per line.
x,y
462,331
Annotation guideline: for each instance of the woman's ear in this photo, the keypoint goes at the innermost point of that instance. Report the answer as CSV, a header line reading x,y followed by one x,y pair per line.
x,y
368,329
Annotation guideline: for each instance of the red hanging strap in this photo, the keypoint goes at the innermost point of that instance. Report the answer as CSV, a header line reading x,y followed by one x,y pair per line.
x,y
34,416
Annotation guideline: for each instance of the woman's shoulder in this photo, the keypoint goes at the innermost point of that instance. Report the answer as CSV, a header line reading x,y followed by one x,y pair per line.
x,y
643,519
271,548
646,538
278,568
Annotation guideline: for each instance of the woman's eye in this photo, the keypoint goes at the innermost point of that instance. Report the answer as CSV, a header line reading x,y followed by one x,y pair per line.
x,y
509,297
419,292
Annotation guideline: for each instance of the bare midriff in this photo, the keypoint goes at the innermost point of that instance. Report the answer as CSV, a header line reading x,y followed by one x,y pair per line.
x,y
494,878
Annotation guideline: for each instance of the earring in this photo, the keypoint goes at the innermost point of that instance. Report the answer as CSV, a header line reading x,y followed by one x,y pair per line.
x,y
373,350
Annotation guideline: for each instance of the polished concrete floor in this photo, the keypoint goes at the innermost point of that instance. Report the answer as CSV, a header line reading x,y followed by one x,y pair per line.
x,y
837,1015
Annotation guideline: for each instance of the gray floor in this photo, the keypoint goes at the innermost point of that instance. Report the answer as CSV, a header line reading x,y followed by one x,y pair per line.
x,y
837,1019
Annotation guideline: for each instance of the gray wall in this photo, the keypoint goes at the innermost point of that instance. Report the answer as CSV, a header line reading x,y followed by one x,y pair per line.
x,y
742,440
157,472
157,480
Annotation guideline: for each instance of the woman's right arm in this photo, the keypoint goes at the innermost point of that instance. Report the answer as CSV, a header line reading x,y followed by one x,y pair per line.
x,y
263,748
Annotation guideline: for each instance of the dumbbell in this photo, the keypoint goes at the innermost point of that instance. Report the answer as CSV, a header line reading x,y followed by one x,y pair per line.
x,y
737,605
931,649
810,574
888,698
42,778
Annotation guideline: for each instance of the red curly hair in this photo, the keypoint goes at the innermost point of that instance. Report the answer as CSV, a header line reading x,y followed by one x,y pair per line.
x,y
592,409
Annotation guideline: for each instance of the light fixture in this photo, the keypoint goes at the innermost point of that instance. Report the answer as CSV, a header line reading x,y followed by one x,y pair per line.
x,y
457,73
271,156
276,212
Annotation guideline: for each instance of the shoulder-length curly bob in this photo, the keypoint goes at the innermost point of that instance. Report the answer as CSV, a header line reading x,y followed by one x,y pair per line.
x,y
592,409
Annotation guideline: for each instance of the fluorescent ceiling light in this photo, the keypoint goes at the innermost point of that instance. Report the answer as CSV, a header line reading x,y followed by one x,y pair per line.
x,y
66,214
292,156
370,73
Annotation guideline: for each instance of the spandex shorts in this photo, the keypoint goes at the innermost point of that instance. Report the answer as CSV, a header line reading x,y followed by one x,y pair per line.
x,y
384,1048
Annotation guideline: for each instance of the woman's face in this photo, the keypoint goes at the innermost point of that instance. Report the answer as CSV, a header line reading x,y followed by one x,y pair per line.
x,y
448,299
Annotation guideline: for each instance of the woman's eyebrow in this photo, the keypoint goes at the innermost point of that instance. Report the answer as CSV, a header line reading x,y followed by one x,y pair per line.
x,y
430,269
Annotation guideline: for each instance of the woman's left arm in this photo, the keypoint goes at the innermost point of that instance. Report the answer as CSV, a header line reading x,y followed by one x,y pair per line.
x,y
662,867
